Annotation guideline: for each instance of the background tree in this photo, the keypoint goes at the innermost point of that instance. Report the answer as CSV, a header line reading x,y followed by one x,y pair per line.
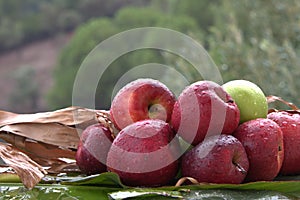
x,y
29,20
95,31
254,40
83,41
259,41
25,96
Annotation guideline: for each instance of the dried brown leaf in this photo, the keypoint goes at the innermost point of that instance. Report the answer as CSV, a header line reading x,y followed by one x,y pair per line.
x,y
183,180
37,150
103,117
272,98
59,166
50,133
49,137
69,116
29,171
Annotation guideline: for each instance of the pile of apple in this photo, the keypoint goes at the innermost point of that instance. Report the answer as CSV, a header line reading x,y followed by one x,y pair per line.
x,y
212,133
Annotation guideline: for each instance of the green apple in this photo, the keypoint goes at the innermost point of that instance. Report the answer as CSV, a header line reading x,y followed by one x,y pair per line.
x,y
249,98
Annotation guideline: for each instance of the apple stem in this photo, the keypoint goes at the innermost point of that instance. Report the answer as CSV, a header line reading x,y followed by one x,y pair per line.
x,y
240,168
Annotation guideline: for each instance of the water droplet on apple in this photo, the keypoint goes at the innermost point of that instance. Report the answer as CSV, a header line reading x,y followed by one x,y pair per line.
x,y
261,124
284,123
294,125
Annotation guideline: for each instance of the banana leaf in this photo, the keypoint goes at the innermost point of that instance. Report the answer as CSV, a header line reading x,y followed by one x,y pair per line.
x,y
109,186
284,186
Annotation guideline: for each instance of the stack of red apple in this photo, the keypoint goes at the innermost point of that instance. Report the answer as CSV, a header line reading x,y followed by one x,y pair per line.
x,y
212,133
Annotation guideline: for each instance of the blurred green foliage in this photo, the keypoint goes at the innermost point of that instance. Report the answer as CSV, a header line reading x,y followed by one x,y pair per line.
x,y
26,94
27,20
84,40
254,40
93,32
259,41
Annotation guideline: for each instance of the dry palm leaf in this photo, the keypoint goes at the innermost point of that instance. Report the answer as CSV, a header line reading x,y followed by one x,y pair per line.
x,y
183,180
60,166
273,98
69,116
294,109
50,133
61,128
29,171
37,150
48,138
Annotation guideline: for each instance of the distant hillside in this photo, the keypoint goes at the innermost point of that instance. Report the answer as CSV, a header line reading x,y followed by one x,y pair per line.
x,y
41,56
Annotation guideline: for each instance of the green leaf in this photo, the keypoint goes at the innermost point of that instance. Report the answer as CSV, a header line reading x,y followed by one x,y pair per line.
x,y
263,188
112,180
145,193
197,194
108,186
257,190
290,188
234,195
9,178
107,179
46,191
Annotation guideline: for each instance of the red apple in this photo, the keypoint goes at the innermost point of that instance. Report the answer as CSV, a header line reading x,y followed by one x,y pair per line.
x,y
142,99
204,109
263,142
289,122
145,153
94,144
218,159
